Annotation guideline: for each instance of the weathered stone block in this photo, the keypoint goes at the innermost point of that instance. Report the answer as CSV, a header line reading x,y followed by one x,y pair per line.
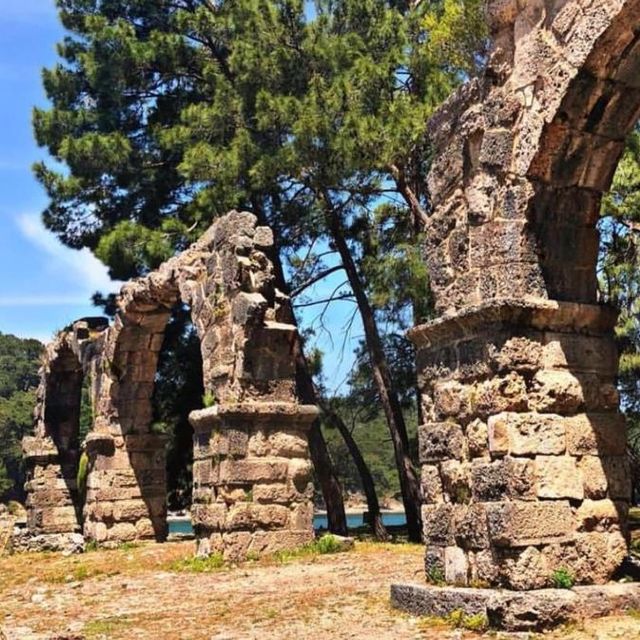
x,y
301,517
268,542
496,147
438,524
145,529
450,399
456,481
522,524
617,471
522,569
531,611
477,434
211,516
500,394
489,481
440,441
603,434
593,476
281,493
288,445
556,392
299,472
431,485
580,353
520,354
470,526
509,477
121,532
248,516
455,566
558,477
599,515
253,470
527,434
498,434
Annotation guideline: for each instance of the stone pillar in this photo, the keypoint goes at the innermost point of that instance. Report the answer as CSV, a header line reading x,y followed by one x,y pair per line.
x,y
126,488
52,497
252,478
524,468
51,454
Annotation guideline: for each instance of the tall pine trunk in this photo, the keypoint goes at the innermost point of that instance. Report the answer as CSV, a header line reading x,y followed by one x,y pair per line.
x,y
409,481
368,486
322,463
325,472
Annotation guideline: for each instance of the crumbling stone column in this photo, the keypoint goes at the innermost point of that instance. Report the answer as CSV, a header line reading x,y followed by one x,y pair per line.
x,y
54,509
523,454
252,478
524,468
126,481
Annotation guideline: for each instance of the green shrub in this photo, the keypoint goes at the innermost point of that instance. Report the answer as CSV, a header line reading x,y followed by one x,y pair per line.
x,y
81,476
14,508
328,544
209,400
435,575
92,545
207,564
475,622
562,579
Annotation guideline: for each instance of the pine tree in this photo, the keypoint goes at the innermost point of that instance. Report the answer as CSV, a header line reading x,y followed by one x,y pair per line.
x,y
169,113
619,277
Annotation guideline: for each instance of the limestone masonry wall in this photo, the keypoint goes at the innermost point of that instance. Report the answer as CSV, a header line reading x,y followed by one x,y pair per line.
x,y
523,453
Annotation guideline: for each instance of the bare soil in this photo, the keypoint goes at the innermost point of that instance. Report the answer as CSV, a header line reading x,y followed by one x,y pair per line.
x,y
142,593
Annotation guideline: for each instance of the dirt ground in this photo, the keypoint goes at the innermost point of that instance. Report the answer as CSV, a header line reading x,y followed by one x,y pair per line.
x,y
146,593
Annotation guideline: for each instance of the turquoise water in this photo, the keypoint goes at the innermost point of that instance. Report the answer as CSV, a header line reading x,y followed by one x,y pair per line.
x,y
354,520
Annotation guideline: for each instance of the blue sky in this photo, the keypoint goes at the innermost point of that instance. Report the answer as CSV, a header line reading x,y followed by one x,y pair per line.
x,y
44,285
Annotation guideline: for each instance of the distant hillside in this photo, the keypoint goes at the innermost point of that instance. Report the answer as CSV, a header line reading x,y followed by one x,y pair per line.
x,y
374,441
19,363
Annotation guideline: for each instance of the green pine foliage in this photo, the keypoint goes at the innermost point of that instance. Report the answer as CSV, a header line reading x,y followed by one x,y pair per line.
x,y
619,278
167,113
19,364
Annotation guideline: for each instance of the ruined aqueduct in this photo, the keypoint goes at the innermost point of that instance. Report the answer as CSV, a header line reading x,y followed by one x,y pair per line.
x,y
523,453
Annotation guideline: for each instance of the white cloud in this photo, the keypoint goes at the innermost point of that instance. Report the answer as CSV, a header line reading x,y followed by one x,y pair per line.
x,y
42,301
14,165
90,274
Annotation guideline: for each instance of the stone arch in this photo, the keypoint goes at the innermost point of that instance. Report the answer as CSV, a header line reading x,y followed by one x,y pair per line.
x,y
251,441
523,454
52,454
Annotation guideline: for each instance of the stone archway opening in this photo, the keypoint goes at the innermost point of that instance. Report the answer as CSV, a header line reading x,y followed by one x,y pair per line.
x,y
53,455
178,391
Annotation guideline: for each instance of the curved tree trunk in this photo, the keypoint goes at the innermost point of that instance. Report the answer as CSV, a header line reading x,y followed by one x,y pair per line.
x,y
409,481
329,483
325,472
377,526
